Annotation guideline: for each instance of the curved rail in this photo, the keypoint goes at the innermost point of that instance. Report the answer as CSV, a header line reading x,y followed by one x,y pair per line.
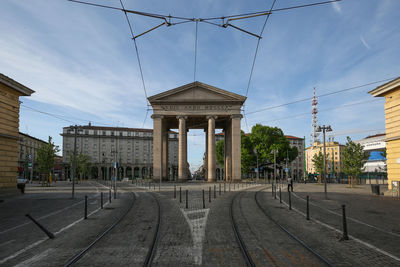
x,y
153,248
301,242
243,249
77,256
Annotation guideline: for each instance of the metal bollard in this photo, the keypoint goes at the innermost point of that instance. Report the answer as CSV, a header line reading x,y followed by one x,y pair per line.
x,y
345,235
180,194
209,194
109,196
187,198
174,191
290,200
85,217
215,191
101,201
272,189
308,208
219,189
204,204
280,195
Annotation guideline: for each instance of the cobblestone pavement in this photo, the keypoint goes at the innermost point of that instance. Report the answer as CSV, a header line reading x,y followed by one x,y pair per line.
x,y
324,234
199,233
373,219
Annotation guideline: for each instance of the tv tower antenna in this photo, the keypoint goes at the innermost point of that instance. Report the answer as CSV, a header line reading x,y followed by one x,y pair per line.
x,y
314,124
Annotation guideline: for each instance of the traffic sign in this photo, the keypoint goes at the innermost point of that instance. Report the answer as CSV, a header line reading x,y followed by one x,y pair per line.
x,y
287,169
30,164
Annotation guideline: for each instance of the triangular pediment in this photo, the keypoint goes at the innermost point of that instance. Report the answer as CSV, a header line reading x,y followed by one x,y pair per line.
x,y
196,92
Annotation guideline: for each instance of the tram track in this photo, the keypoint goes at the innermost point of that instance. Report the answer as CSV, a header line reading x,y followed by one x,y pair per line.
x,y
107,232
249,256
293,236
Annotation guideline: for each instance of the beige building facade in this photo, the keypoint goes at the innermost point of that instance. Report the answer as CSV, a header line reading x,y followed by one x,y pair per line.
x,y
391,92
334,157
197,106
10,91
131,148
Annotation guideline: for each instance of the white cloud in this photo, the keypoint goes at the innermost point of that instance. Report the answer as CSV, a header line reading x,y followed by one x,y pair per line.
x,y
364,42
336,6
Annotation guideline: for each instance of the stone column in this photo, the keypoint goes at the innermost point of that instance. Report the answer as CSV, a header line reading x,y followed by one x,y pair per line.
x,y
236,147
165,153
211,148
205,162
228,151
182,151
157,147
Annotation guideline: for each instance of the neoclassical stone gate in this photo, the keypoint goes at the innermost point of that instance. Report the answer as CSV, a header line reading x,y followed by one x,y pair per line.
x,y
197,106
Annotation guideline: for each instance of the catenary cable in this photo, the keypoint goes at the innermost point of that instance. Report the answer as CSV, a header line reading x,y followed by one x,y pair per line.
x,y
322,95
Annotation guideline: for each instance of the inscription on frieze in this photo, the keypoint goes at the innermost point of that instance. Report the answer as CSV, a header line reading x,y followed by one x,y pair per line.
x,y
196,107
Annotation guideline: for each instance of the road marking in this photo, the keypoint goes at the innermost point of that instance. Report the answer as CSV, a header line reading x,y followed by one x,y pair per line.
x,y
197,229
19,252
350,218
47,215
352,237
35,258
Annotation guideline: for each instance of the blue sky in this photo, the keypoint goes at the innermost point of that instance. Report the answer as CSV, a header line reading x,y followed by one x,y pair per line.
x,y
81,62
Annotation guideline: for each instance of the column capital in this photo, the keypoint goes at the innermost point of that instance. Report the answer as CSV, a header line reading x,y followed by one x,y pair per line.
x,y
211,117
182,117
157,116
236,116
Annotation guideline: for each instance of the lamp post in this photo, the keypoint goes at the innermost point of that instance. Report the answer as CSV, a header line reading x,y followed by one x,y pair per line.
x,y
76,129
324,129
258,171
274,151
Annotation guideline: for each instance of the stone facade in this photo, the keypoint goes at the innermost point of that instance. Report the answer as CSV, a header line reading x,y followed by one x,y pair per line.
x,y
198,106
334,157
27,150
297,165
131,148
10,91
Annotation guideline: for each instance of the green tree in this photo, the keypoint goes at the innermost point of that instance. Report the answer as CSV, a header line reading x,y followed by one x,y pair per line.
x,y
354,159
82,164
248,157
266,139
45,158
318,161
220,150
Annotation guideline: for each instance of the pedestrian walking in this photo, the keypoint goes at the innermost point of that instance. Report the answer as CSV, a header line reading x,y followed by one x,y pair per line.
x,y
290,184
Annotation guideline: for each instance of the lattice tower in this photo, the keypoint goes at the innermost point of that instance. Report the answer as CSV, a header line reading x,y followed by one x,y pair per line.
x,y
314,123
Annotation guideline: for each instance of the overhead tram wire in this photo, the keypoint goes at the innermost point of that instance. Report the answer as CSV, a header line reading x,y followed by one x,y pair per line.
x,y
258,45
61,117
265,11
154,15
322,95
325,109
139,62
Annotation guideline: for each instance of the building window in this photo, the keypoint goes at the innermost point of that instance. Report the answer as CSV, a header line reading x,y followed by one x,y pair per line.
x,y
86,132
112,133
95,132
120,133
104,132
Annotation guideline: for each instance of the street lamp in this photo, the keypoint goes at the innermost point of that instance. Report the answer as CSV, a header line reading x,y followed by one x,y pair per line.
x,y
274,151
258,171
324,129
76,129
